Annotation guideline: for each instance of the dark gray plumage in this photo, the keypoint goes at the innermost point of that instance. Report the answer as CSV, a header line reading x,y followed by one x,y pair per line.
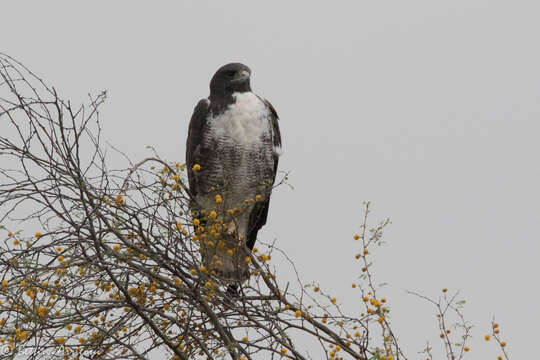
x,y
234,137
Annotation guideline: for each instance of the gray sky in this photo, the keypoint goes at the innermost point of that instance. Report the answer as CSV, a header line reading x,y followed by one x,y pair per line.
x,y
430,109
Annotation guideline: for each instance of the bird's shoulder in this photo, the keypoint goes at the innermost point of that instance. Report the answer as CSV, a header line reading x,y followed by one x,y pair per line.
x,y
201,109
270,107
196,127
199,117
273,117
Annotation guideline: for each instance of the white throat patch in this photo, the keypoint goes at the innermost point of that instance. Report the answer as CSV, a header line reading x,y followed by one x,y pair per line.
x,y
244,122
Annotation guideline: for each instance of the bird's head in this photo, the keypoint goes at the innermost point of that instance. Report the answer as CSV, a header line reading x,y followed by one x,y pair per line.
x,y
230,78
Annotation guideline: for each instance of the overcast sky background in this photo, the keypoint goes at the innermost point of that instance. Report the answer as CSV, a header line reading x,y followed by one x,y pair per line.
x,y
430,109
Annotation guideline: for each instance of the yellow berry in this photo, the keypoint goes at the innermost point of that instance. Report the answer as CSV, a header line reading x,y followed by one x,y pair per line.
x,y
43,311
466,348
356,237
487,337
264,257
196,167
38,235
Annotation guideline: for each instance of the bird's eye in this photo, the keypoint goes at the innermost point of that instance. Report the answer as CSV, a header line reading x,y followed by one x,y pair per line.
x,y
230,73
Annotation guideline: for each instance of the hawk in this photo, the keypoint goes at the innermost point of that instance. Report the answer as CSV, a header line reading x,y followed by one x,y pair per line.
x,y
232,154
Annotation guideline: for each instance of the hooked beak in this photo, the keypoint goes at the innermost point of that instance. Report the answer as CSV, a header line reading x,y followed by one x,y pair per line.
x,y
242,76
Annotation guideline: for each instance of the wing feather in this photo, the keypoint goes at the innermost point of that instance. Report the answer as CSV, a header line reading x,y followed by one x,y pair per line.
x,y
194,140
259,214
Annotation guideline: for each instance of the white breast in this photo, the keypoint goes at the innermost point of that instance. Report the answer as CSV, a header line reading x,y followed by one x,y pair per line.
x,y
243,122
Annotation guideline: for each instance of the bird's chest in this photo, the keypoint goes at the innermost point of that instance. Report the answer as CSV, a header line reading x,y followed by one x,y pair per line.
x,y
237,147
243,125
